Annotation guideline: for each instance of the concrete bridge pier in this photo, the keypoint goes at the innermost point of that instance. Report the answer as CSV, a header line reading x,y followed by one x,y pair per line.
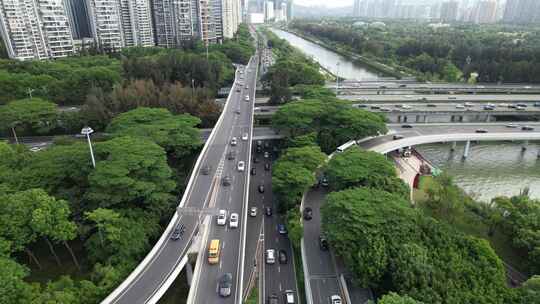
x,y
524,145
453,148
467,147
189,273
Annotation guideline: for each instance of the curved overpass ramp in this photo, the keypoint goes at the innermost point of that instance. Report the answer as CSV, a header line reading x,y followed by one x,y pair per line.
x,y
426,134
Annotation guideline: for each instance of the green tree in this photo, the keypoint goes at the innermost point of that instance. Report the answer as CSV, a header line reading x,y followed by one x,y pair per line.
x,y
131,172
176,134
354,167
28,115
394,298
385,242
289,181
445,198
120,236
13,288
294,227
50,219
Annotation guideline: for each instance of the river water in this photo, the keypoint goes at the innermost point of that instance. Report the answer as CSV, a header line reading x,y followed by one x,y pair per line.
x,y
328,59
491,170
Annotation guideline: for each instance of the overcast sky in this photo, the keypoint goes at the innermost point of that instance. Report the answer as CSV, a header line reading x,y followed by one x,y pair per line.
x,y
329,3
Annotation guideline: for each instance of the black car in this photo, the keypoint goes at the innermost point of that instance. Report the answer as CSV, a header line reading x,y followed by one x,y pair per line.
x,y
398,136
308,213
268,211
255,160
261,188
253,171
282,256
225,285
226,181
177,233
259,149
481,131
231,155
266,144
267,167
206,170
323,243
527,128
406,126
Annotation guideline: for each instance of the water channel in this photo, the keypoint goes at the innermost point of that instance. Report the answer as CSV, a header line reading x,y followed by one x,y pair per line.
x,y
328,59
491,170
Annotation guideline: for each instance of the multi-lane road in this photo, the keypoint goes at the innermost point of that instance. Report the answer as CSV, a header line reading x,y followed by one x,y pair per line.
x,y
238,116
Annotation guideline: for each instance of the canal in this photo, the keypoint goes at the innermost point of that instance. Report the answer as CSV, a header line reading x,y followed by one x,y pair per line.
x,y
328,59
491,170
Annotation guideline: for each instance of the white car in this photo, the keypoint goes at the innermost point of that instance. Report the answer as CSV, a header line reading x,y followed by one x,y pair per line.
x,y
335,299
245,136
233,221
241,166
270,256
512,125
222,217
253,212
234,141
246,98
289,297
460,106
247,87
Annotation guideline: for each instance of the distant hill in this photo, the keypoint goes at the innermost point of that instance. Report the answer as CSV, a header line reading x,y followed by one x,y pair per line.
x,y
321,11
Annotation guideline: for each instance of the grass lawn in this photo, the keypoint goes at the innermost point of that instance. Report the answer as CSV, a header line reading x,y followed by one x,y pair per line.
x,y
471,224
254,294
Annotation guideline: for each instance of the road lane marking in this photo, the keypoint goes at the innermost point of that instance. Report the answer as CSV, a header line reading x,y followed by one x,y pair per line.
x,y
220,261
279,269
280,288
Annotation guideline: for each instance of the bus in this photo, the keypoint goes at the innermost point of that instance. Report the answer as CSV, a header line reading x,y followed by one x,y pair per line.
x,y
346,146
213,252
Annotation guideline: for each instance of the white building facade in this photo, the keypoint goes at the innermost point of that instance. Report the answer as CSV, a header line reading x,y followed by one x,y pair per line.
x,y
35,29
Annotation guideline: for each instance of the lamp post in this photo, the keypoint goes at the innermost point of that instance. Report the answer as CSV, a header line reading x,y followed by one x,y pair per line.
x,y
87,131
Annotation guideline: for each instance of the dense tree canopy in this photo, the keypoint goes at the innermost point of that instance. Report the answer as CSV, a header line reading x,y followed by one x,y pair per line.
x,y
496,53
335,122
355,168
29,115
293,174
519,217
391,246
177,134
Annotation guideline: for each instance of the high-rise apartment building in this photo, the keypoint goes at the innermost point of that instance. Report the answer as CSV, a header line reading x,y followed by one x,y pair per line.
x,y
78,18
449,11
522,11
35,29
106,23
228,18
486,11
115,24
136,19
175,21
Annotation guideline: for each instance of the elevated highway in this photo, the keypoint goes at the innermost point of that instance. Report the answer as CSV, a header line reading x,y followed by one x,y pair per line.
x,y
152,277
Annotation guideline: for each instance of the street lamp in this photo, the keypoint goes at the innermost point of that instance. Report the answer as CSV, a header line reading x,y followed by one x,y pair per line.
x,y
87,131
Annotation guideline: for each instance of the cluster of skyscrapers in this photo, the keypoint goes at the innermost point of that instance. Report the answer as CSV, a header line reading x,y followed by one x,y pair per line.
x,y
40,29
261,11
474,11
